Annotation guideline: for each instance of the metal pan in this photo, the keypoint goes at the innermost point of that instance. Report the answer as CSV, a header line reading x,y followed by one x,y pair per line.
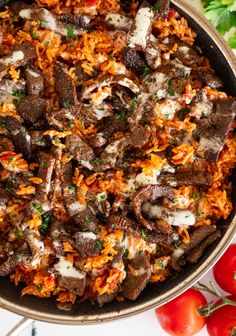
x,y
224,63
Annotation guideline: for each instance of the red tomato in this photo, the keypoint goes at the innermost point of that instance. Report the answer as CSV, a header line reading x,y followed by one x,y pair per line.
x,y
225,270
222,322
180,316
91,3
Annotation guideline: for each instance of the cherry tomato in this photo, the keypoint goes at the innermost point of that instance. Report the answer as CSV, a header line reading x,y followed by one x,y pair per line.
x,y
225,270
180,316
222,322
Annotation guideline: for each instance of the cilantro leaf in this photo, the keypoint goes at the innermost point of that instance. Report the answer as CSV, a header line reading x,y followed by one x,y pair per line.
x,y
232,41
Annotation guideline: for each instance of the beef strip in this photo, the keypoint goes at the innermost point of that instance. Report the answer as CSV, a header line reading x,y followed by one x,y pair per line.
x,y
178,258
134,61
46,166
34,80
210,79
198,251
19,136
64,86
180,178
148,193
81,75
80,150
152,53
31,108
134,284
165,81
164,7
124,223
56,229
186,54
139,136
80,21
63,118
11,90
20,56
38,139
118,21
4,196
6,144
106,298
86,221
86,243
163,227
49,21
9,265
141,26
213,131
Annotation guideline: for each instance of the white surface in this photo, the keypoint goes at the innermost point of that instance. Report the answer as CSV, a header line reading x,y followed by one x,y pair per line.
x,y
144,324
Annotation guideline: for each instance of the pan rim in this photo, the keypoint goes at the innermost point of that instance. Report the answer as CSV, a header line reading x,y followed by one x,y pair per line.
x,y
192,278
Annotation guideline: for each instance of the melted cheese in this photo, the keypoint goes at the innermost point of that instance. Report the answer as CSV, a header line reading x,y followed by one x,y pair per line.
x,y
118,21
142,23
175,218
76,207
15,57
88,235
33,73
66,269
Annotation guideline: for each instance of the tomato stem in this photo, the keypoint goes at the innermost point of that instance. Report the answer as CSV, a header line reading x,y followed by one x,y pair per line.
x,y
208,309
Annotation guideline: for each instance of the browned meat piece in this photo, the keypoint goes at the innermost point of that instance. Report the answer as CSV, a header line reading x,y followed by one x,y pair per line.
x,y
81,75
19,136
38,139
97,141
73,285
65,86
32,108
4,196
110,125
80,150
134,284
34,81
124,223
109,156
210,79
213,130
86,221
56,229
48,20
134,61
152,53
186,54
20,56
8,266
148,193
46,166
139,136
165,81
75,20
10,90
180,178
178,258
63,118
106,298
117,21
164,6
163,226
197,252
87,243
6,144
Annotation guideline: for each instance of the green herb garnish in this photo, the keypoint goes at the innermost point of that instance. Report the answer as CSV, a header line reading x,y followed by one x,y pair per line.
x,y
70,32
160,264
46,220
97,161
99,244
143,233
19,234
194,196
122,115
156,6
126,253
38,206
66,103
182,113
18,93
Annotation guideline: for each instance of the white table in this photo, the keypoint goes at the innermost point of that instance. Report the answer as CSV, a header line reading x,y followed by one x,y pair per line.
x,y
139,325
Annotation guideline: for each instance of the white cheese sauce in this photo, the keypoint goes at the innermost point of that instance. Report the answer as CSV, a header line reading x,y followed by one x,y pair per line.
x,y
15,57
66,269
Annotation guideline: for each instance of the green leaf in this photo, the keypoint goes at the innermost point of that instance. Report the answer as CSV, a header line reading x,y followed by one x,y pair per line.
x,y
231,4
220,16
232,41
70,32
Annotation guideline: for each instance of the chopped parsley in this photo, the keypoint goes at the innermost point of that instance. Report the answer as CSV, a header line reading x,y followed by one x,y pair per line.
x,y
126,253
18,93
71,188
16,102
99,244
133,102
87,219
43,23
70,32
34,35
43,164
10,190
194,196
66,103
170,90
19,234
46,220
69,123
97,161
182,113
156,6
203,114
143,233
167,117
12,215
198,213
160,264
146,71
176,245
159,249
38,206
122,115
10,159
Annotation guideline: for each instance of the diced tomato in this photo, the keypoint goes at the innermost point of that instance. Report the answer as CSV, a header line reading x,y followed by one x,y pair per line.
x,y
171,14
23,269
6,155
91,3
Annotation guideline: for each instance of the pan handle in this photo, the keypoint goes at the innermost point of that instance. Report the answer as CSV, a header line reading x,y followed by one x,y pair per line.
x,y
19,327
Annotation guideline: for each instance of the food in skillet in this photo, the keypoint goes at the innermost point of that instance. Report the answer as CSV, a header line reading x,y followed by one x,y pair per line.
x,y
117,145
